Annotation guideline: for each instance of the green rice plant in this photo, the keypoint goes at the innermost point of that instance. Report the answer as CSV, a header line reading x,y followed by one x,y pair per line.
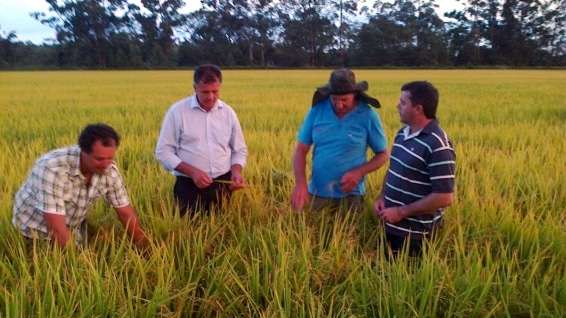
x,y
502,251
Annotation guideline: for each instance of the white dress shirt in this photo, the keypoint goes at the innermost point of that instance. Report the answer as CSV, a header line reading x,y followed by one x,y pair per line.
x,y
210,141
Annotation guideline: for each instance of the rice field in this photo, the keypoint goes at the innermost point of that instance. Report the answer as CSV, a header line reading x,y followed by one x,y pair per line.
x,y
501,253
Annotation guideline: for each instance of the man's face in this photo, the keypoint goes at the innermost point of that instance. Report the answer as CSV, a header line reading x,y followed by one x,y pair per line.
x,y
99,159
343,104
407,111
207,94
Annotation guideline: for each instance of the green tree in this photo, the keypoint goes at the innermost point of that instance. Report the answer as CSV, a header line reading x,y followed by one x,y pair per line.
x,y
7,46
154,24
402,33
309,32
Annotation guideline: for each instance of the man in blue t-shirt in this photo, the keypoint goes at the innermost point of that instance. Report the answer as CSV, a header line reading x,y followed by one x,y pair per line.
x,y
340,126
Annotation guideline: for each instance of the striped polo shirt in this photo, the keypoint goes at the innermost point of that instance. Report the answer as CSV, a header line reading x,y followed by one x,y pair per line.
x,y
421,163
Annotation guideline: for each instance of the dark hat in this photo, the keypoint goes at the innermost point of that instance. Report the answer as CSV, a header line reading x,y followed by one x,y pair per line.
x,y
343,81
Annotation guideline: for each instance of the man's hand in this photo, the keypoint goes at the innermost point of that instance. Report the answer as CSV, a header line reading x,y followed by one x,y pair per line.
x,y
237,181
200,178
300,197
378,205
425,206
391,215
58,228
141,239
142,243
350,180
128,217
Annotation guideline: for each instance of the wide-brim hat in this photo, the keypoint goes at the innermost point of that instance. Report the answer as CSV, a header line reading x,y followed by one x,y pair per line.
x,y
343,81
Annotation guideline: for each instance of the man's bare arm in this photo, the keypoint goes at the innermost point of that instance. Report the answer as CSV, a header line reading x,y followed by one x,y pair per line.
x,y
426,205
58,228
129,219
300,194
351,178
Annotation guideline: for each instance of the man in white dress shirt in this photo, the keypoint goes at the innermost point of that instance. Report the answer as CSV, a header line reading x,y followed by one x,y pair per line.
x,y
202,144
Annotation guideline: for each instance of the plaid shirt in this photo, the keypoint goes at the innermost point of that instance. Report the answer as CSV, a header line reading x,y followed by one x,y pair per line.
x,y
56,185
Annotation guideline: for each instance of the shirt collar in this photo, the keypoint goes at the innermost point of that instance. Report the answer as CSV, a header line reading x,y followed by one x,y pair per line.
x,y
193,103
428,129
75,165
407,132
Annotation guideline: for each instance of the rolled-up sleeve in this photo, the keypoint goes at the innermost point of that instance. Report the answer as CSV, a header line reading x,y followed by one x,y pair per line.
x,y
116,193
238,144
166,149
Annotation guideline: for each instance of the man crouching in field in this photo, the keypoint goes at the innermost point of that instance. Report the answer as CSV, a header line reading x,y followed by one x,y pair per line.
x,y
340,126
52,204
202,143
420,181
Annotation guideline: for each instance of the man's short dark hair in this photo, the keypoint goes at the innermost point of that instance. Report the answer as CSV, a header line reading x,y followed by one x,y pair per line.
x,y
425,94
93,132
207,73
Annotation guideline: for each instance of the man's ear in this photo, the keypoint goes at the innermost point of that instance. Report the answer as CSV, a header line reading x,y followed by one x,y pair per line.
x,y
419,108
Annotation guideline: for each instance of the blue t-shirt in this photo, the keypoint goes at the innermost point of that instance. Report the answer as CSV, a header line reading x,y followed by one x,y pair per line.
x,y
339,145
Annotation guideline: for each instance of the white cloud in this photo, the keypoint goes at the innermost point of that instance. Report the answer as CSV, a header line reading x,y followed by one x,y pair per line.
x,y
15,16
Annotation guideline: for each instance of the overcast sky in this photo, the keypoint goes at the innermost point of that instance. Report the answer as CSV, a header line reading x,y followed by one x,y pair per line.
x,y
14,16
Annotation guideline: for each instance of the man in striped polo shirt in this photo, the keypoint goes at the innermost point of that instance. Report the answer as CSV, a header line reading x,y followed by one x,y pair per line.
x,y
420,181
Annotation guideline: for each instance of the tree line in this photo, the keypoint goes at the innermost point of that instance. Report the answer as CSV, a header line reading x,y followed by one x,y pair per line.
x,y
293,33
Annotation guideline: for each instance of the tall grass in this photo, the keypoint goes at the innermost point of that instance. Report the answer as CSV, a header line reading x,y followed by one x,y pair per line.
x,y
502,251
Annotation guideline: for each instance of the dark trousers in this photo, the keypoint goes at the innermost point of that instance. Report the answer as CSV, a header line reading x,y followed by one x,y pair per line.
x,y
189,197
354,203
397,244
